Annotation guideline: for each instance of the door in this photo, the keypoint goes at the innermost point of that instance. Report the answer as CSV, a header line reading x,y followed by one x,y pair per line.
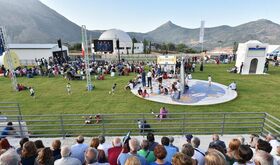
x,y
253,66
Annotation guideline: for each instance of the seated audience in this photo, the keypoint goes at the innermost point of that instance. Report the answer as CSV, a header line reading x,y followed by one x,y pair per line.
x,y
263,158
39,145
188,150
101,154
10,157
91,157
232,153
160,154
214,157
152,143
114,151
103,146
66,159
145,152
273,142
170,150
216,140
21,142
199,154
245,155
181,159
56,144
171,140
29,153
133,145
133,160
78,149
45,157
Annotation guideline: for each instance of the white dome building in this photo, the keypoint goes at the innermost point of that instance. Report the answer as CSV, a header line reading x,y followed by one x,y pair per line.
x,y
125,42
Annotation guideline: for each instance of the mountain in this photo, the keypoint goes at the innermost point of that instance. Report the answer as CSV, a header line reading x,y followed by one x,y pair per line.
x,y
262,30
30,21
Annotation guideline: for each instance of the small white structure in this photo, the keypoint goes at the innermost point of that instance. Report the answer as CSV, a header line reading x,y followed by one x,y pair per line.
x,y
251,57
28,52
125,42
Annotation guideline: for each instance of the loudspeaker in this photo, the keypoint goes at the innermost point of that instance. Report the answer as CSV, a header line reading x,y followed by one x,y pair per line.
x,y
118,44
59,43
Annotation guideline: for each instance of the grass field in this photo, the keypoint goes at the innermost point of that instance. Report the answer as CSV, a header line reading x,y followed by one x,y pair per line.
x,y
256,93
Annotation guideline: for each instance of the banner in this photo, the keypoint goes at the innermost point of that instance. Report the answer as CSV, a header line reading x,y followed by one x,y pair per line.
x,y
201,34
2,48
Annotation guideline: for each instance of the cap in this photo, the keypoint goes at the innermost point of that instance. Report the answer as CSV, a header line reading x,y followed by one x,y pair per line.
x,y
189,137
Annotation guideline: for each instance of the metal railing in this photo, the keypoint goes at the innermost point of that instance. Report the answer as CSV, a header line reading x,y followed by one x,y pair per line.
x,y
67,125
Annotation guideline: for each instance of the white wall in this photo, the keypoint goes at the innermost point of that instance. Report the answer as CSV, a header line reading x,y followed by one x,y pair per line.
x,y
138,48
29,54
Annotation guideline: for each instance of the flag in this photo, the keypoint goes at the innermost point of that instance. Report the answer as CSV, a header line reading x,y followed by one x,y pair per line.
x,y
201,34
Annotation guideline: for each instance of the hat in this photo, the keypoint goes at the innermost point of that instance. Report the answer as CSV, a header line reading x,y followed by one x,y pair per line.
x,y
189,137
126,138
80,138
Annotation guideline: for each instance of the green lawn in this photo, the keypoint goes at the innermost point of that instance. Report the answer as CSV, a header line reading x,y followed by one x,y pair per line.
x,y
256,93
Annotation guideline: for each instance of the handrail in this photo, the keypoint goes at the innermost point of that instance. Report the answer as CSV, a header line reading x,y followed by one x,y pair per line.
x,y
120,123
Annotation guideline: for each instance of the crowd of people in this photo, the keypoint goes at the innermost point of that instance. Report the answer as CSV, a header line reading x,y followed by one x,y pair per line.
x,y
130,151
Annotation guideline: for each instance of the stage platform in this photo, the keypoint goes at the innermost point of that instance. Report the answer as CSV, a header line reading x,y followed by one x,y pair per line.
x,y
199,93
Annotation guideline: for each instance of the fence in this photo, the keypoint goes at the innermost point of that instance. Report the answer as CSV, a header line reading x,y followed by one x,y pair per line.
x,y
67,125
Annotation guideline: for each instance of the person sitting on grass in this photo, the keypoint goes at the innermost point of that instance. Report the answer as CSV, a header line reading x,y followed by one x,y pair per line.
x,y
140,91
232,86
145,94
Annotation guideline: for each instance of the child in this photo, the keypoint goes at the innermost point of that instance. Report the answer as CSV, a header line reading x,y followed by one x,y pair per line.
x,y
68,88
32,92
145,94
209,80
113,89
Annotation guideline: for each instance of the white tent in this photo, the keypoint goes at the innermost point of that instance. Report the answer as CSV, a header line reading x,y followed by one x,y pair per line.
x,y
251,57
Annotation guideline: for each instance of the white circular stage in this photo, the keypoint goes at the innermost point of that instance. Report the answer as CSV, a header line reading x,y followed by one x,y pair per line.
x,y
199,93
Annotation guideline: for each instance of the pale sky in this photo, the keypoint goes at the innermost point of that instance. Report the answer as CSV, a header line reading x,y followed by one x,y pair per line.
x,y
146,15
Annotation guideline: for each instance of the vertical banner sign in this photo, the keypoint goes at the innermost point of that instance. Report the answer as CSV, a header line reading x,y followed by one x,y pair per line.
x,y
2,49
201,34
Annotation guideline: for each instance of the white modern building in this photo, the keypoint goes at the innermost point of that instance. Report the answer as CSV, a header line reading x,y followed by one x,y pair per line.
x,y
28,52
125,42
251,57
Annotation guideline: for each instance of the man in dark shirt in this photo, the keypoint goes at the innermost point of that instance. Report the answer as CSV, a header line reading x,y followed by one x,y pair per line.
x,y
217,141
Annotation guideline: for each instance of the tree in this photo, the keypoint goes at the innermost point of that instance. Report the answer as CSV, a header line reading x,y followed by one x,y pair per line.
x,y
133,41
235,47
171,46
181,47
76,46
145,43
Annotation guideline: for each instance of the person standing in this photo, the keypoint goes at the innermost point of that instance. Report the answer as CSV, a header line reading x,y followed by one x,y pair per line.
x,y
143,78
241,67
149,76
113,89
209,80
32,92
68,88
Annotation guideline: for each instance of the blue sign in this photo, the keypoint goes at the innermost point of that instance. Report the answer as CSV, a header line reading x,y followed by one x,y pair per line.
x,y
257,48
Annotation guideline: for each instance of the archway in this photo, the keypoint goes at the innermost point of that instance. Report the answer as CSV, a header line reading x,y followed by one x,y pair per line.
x,y
253,66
